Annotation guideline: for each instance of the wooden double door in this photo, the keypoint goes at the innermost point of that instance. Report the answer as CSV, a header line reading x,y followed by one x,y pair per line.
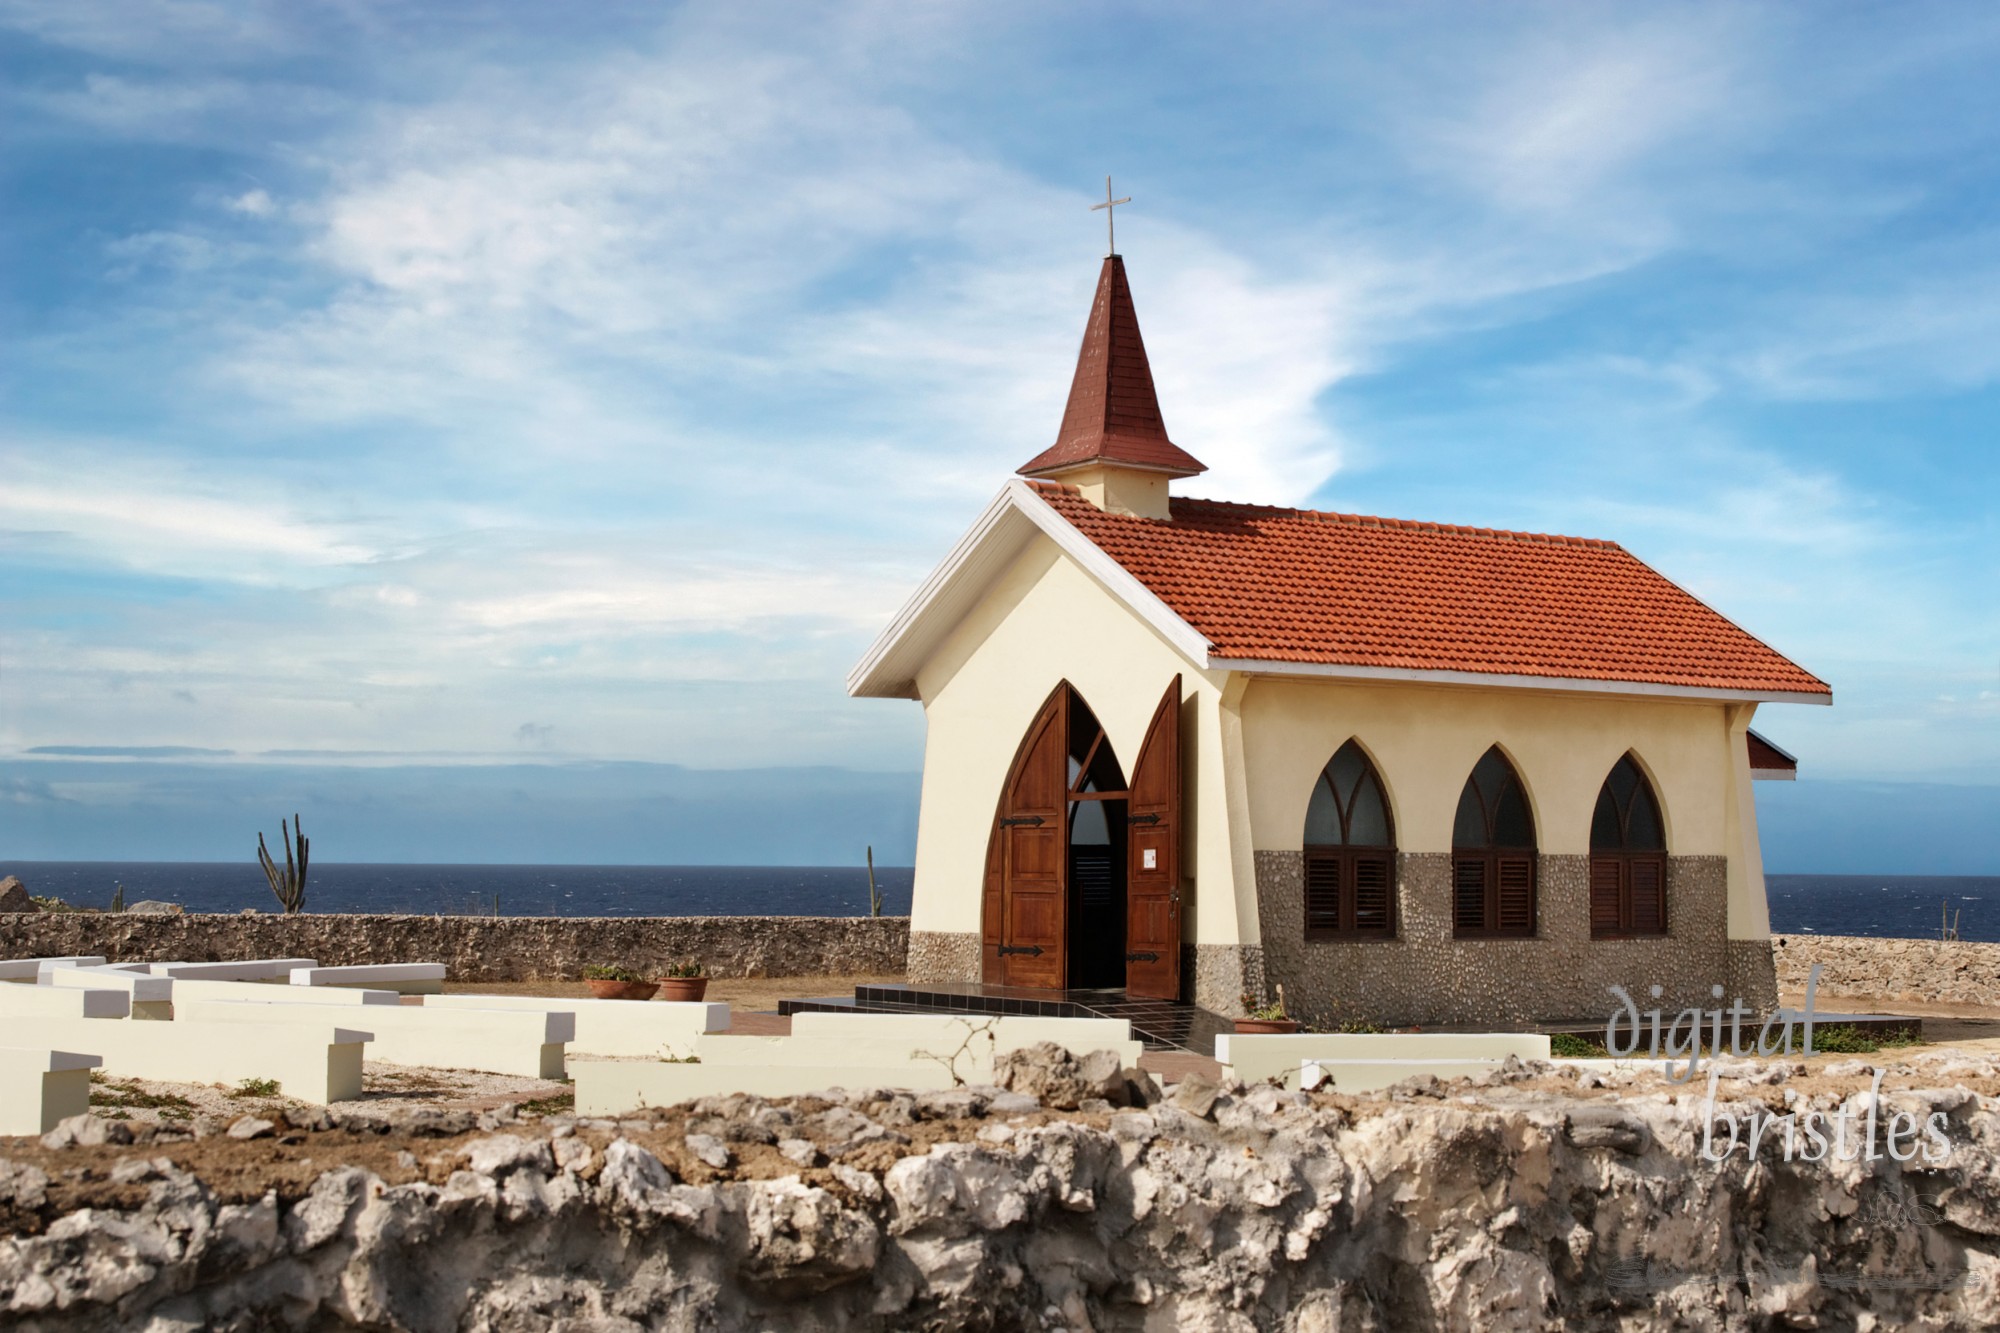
x,y
1083,867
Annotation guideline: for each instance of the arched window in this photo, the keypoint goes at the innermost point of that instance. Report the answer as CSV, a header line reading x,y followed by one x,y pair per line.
x,y
1350,852
1628,857
1493,853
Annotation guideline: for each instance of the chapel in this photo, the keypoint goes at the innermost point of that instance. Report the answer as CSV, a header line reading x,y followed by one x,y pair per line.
x,y
1414,772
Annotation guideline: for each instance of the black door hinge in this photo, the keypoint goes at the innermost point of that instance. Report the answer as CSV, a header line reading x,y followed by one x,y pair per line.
x,y
1011,820
1032,950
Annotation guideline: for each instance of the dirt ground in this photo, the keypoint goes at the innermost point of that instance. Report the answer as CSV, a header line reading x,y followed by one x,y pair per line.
x,y
1943,1023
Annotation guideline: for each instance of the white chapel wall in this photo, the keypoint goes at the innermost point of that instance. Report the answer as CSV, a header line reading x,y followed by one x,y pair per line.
x,y
1043,621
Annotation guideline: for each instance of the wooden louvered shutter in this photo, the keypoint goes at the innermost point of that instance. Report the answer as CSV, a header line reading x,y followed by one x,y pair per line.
x,y
1607,895
1374,893
1516,906
1323,891
1468,887
1647,894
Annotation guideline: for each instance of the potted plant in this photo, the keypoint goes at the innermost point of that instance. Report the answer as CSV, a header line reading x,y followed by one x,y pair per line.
x,y
1264,1018
618,983
684,981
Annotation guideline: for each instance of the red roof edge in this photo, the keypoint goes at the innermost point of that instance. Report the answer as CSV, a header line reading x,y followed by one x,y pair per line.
x,y
1113,413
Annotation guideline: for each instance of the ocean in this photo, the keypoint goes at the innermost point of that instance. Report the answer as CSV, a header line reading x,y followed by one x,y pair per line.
x,y
1885,905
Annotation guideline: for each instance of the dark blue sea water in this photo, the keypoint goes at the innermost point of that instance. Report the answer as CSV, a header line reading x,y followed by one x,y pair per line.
x,y
1904,906
1887,905
471,890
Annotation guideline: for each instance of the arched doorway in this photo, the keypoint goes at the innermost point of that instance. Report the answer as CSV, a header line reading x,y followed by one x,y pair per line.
x,y
1083,867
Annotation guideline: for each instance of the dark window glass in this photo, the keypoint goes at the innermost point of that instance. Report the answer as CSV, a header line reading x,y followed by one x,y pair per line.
x,y
1087,824
1604,830
1469,828
1642,826
1368,816
1323,816
1512,826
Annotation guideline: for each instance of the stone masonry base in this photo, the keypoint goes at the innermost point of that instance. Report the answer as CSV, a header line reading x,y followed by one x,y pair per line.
x,y
1426,976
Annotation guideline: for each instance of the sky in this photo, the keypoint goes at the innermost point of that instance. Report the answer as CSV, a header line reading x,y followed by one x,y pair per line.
x,y
437,387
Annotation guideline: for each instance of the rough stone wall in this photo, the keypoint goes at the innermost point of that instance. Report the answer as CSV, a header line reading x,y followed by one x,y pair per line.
x,y
1753,974
944,955
1218,976
476,948
1225,1210
1426,976
1957,972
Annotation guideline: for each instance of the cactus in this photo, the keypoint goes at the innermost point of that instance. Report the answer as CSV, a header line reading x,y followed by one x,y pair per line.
x,y
290,883
874,894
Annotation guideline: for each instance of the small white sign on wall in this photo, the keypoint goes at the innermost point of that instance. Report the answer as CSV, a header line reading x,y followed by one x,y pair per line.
x,y
1150,859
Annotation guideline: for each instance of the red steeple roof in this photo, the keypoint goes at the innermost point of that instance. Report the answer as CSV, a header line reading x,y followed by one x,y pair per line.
x,y
1113,414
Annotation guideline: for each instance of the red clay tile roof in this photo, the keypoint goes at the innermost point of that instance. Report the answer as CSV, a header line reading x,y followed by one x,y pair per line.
x,y
1113,413
1293,585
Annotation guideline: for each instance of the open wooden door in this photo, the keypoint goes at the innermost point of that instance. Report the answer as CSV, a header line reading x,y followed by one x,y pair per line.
x,y
1024,920
1153,869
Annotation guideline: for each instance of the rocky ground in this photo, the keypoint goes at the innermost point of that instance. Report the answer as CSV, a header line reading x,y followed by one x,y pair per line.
x,y
1070,1196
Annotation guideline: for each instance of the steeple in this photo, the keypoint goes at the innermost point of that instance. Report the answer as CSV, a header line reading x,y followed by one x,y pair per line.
x,y
1113,443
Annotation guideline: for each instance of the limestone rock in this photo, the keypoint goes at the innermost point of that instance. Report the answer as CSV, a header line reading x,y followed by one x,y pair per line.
x,y
1058,1079
14,896
155,907
1229,1208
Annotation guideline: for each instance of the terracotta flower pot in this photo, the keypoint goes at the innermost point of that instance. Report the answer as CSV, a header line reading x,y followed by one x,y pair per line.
x,y
1267,1025
683,988
622,990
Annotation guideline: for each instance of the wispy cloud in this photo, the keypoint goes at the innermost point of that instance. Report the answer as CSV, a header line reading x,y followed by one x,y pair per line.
x,y
621,374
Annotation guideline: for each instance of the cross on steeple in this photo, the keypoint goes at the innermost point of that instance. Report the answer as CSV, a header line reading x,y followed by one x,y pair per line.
x,y
1110,207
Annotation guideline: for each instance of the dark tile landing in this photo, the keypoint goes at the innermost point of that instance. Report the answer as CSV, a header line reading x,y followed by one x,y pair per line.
x,y
1163,1025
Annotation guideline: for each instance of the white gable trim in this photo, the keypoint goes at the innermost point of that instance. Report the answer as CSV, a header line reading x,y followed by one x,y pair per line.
x,y
889,668
1492,680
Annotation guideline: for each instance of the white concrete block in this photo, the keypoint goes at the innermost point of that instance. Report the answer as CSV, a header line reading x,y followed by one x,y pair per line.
x,y
498,1041
650,1029
618,1087
403,978
30,969
247,969
141,988
1011,1032
63,1002
265,993
313,1062
40,1087
1254,1057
